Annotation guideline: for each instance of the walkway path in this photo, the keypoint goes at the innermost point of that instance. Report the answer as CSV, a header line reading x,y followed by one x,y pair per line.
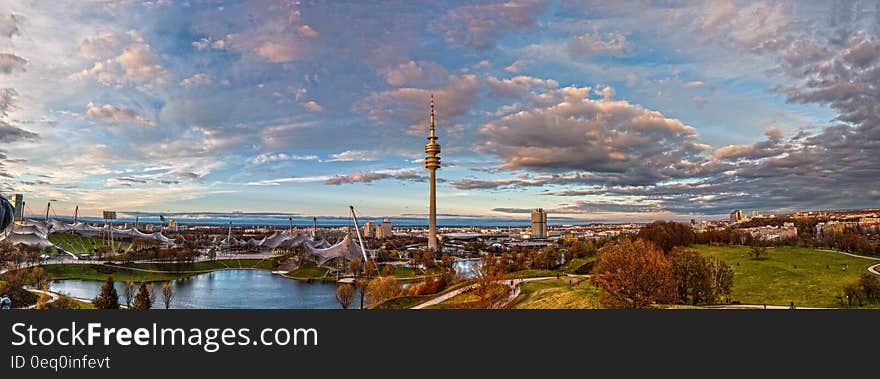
x,y
53,295
512,283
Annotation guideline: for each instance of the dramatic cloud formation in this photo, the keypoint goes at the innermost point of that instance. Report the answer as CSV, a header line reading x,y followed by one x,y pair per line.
x,y
593,109
569,131
480,26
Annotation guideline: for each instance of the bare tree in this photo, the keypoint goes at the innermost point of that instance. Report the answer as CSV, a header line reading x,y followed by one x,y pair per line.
x,y
167,294
151,292
128,292
345,295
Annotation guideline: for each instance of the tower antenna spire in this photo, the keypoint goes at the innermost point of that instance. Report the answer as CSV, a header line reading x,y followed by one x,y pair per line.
x,y
432,163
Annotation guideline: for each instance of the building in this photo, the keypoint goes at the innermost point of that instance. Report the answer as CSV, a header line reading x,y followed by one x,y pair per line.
x,y
736,216
18,207
432,163
369,230
384,229
539,223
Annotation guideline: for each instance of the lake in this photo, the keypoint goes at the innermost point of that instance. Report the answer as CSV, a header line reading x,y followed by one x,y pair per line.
x,y
240,289
227,289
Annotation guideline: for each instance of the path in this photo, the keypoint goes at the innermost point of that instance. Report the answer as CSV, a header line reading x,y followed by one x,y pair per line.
x,y
512,283
872,269
53,295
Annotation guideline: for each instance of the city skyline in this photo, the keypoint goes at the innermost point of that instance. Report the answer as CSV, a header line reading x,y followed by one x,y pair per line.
x,y
626,112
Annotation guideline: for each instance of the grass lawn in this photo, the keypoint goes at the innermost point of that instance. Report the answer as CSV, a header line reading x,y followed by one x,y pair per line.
x,y
579,265
808,277
557,294
308,270
265,264
403,302
533,273
405,272
81,245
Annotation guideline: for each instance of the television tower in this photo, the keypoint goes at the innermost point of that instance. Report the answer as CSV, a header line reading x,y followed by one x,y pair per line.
x,y
432,163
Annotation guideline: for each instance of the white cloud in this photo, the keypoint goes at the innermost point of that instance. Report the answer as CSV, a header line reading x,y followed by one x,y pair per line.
x,y
353,155
200,79
313,106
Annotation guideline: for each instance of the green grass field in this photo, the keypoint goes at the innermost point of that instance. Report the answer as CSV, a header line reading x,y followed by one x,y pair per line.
x,y
308,270
557,294
808,277
579,265
82,245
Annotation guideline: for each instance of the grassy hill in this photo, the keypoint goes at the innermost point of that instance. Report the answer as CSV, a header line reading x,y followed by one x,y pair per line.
x,y
806,276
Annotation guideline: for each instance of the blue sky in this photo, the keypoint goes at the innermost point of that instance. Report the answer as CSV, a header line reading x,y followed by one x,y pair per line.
x,y
615,111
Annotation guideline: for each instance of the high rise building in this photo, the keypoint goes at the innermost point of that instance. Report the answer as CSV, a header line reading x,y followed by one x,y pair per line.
x,y
736,216
369,230
384,229
18,206
432,163
539,223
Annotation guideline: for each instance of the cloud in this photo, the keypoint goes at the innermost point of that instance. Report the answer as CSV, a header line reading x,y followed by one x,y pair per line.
x,y
409,105
279,52
10,25
10,63
518,65
112,115
613,43
307,31
566,130
481,26
422,73
209,43
312,106
277,157
10,133
369,177
200,79
137,63
7,100
100,46
353,155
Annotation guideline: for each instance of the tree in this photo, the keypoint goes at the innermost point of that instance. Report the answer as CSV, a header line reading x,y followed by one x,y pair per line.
x,y
693,276
370,268
345,295
354,266
381,289
143,299
634,274
362,284
667,234
757,251
108,298
722,278
128,292
167,295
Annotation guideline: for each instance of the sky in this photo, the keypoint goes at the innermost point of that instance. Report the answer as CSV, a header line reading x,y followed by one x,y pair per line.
x,y
593,110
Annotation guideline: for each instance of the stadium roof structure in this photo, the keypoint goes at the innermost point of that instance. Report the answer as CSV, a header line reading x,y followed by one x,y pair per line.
x,y
36,233
346,249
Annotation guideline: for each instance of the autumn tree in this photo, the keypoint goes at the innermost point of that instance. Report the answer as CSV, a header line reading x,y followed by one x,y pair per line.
x,y
143,299
167,295
108,298
667,234
362,284
381,289
128,291
354,266
634,274
345,295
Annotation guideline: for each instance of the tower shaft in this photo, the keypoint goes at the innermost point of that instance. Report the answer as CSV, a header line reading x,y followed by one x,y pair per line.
x,y
432,163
